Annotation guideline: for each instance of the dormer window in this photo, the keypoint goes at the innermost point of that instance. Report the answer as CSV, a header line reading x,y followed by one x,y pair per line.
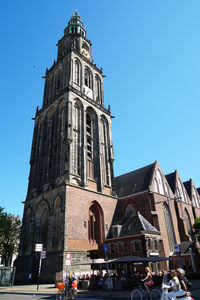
x,y
116,229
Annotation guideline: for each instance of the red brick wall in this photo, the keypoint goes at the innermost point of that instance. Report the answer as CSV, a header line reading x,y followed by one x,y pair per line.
x,y
78,202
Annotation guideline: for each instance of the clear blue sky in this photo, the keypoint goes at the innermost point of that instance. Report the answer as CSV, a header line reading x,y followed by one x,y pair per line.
x,y
150,53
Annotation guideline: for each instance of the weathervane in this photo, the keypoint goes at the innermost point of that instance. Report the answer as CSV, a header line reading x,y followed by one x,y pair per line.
x,y
76,11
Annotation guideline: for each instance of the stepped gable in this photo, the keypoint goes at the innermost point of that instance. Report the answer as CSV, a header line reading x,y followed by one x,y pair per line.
x,y
134,182
171,178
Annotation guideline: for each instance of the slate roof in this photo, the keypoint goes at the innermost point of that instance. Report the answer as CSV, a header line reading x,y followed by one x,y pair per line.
x,y
133,225
134,182
171,178
187,185
184,246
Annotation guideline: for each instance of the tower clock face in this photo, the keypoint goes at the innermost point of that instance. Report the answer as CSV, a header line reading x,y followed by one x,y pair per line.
x,y
85,53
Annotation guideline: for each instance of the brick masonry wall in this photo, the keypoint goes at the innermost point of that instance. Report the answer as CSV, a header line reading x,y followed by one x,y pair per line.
x,y
78,202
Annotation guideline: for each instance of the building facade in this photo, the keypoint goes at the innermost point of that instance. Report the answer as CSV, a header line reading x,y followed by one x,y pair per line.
x,y
168,205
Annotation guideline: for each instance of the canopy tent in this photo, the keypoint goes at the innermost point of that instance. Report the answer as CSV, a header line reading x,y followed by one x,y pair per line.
x,y
127,259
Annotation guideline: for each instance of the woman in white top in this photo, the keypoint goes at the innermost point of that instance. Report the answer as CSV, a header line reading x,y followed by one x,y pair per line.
x,y
175,286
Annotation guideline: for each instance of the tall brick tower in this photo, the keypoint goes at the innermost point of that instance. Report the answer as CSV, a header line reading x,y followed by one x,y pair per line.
x,y
70,200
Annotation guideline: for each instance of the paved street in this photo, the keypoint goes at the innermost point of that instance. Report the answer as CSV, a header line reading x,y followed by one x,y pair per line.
x,y
49,292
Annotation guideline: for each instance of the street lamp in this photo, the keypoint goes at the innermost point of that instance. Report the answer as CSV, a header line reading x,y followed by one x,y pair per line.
x,y
174,234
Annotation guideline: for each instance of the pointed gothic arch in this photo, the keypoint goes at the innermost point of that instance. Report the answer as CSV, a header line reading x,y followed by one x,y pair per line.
x,y
98,89
41,222
77,71
188,222
88,78
169,227
77,152
92,144
96,223
105,149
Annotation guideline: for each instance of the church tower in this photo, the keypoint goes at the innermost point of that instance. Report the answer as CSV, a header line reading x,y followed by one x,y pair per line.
x,y
70,200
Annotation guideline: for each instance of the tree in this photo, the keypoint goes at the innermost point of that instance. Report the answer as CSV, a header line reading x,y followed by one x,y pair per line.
x,y
9,235
196,226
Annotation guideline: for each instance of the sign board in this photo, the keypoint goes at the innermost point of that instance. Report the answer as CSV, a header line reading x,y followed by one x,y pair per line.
x,y
38,247
176,248
43,254
68,256
105,248
67,262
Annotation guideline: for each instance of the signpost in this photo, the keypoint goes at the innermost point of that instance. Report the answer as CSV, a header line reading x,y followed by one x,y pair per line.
x,y
38,248
176,248
68,262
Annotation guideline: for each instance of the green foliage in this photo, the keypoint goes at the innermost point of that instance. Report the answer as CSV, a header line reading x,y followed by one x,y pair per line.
x,y
196,226
9,235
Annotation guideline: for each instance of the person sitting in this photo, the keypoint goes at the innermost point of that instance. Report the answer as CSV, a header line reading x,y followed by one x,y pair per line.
x,y
175,287
148,281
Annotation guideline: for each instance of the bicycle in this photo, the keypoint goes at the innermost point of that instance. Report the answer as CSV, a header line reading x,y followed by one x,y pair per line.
x,y
61,294
72,294
140,293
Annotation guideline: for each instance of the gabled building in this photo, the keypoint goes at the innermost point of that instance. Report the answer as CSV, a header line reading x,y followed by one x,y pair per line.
x,y
163,201
194,196
133,235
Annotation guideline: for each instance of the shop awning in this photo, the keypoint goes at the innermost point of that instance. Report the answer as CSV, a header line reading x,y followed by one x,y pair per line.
x,y
127,259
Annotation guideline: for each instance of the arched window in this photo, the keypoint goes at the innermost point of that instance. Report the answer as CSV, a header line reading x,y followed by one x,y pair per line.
x,y
58,82
77,138
50,151
89,137
98,88
188,223
50,88
186,197
27,233
66,73
195,197
156,185
42,215
166,190
169,227
77,72
160,182
92,145
87,78
130,211
105,151
180,188
96,224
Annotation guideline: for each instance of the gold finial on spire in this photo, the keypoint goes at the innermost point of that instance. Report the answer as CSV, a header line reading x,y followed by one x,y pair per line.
x,y
76,11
